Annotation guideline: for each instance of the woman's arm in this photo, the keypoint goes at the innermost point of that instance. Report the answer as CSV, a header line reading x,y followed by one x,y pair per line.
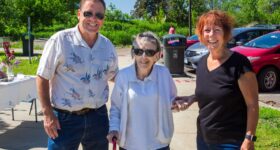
x,y
115,111
182,103
249,88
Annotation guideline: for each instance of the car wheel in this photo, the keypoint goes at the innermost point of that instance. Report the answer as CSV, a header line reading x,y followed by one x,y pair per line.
x,y
268,79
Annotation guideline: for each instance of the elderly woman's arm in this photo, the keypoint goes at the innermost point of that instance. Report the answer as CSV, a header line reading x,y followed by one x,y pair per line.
x,y
115,112
249,88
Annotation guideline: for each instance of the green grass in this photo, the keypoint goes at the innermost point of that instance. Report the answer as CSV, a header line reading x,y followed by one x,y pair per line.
x,y
18,44
268,130
25,66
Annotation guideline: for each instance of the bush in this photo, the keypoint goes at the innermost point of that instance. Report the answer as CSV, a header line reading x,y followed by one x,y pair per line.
x,y
119,32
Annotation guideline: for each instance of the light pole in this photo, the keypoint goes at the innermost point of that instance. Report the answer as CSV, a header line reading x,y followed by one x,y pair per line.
x,y
190,17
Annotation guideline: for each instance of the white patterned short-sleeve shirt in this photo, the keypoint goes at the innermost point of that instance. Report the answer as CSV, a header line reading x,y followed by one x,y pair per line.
x,y
78,74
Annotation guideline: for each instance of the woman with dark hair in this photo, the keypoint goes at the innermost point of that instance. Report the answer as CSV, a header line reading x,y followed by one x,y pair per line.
x,y
226,89
141,101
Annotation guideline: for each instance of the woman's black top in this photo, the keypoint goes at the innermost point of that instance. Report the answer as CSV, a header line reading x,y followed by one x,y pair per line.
x,y
222,109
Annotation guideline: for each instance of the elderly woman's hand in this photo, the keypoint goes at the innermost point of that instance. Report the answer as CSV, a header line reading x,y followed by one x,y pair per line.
x,y
111,135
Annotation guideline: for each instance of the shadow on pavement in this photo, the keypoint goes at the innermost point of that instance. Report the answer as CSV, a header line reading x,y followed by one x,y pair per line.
x,y
27,135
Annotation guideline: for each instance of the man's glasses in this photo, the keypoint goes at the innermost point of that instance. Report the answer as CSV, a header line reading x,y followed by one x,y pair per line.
x,y
88,14
148,52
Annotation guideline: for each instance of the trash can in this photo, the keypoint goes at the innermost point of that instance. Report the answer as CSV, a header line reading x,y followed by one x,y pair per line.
x,y
25,43
174,46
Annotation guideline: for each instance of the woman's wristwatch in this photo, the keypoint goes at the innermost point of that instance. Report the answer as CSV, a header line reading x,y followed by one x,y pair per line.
x,y
251,137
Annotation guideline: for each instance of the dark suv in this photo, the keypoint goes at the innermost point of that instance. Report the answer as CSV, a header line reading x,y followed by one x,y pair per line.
x,y
240,36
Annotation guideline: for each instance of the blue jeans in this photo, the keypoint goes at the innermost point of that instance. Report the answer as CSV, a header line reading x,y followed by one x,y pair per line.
x,y
89,129
201,145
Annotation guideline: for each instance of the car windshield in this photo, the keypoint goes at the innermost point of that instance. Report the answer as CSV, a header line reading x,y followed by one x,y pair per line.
x,y
193,37
236,31
265,41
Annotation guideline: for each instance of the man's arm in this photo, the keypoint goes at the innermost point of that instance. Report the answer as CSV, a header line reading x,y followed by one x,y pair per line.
x,y
44,94
51,123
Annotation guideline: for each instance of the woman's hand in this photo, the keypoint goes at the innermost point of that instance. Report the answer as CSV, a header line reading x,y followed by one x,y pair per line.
x,y
247,145
111,135
182,103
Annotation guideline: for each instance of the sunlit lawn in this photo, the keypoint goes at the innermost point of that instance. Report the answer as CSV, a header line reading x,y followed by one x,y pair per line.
x,y
268,130
25,66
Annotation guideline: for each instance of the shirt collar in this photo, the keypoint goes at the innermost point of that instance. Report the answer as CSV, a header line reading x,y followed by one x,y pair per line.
x,y
151,77
81,42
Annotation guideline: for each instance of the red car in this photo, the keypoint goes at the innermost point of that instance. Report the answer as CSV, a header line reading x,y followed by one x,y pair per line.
x,y
191,40
264,55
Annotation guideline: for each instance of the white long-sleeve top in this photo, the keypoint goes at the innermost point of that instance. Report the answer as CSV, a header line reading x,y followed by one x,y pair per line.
x,y
141,110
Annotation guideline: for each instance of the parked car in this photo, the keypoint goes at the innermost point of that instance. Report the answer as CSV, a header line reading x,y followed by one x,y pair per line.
x,y
191,40
240,36
275,26
264,55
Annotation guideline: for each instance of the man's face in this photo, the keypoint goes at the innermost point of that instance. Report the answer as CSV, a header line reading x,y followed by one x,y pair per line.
x,y
91,16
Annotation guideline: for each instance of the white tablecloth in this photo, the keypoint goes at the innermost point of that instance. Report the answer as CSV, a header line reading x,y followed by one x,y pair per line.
x,y
11,93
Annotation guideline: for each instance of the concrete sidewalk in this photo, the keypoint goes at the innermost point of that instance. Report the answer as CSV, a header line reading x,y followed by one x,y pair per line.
x,y
24,133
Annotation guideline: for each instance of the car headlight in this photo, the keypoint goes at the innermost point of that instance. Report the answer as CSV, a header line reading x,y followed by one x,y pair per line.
x,y
252,59
204,51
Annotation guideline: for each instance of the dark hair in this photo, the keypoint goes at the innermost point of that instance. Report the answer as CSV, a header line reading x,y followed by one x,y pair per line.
x,y
215,17
101,1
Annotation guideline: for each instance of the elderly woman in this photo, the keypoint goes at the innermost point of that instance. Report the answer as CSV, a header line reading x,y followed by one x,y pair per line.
x,y
140,115
226,89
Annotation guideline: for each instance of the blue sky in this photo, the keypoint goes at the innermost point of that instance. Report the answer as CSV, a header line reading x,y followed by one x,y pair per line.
x,y
124,5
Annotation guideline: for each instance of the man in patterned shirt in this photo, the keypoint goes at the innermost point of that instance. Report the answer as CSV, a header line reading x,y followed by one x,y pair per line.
x,y
72,82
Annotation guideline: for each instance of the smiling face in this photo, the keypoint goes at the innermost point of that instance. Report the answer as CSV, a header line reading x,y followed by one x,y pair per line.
x,y
213,37
214,29
90,25
145,63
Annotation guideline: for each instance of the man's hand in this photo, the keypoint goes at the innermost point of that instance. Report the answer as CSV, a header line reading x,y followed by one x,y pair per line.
x,y
51,125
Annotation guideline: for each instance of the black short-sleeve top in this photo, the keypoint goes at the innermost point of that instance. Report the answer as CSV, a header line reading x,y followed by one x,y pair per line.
x,y
222,109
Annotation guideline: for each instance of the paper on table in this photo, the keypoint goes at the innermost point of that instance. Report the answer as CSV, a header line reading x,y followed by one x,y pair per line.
x,y
16,79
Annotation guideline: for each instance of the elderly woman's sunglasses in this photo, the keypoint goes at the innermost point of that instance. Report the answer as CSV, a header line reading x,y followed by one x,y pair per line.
x,y
88,14
148,52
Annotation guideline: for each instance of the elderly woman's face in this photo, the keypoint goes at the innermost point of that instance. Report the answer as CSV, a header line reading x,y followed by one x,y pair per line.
x,y
213,37
145,54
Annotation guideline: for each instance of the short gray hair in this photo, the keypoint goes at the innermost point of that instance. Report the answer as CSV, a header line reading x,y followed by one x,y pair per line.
x,y
150,36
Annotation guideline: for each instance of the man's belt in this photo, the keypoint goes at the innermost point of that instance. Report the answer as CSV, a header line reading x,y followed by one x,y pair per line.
x,y
77,112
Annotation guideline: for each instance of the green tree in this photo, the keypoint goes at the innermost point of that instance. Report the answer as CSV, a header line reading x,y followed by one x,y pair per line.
x,y
114,14
177,11
269,11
